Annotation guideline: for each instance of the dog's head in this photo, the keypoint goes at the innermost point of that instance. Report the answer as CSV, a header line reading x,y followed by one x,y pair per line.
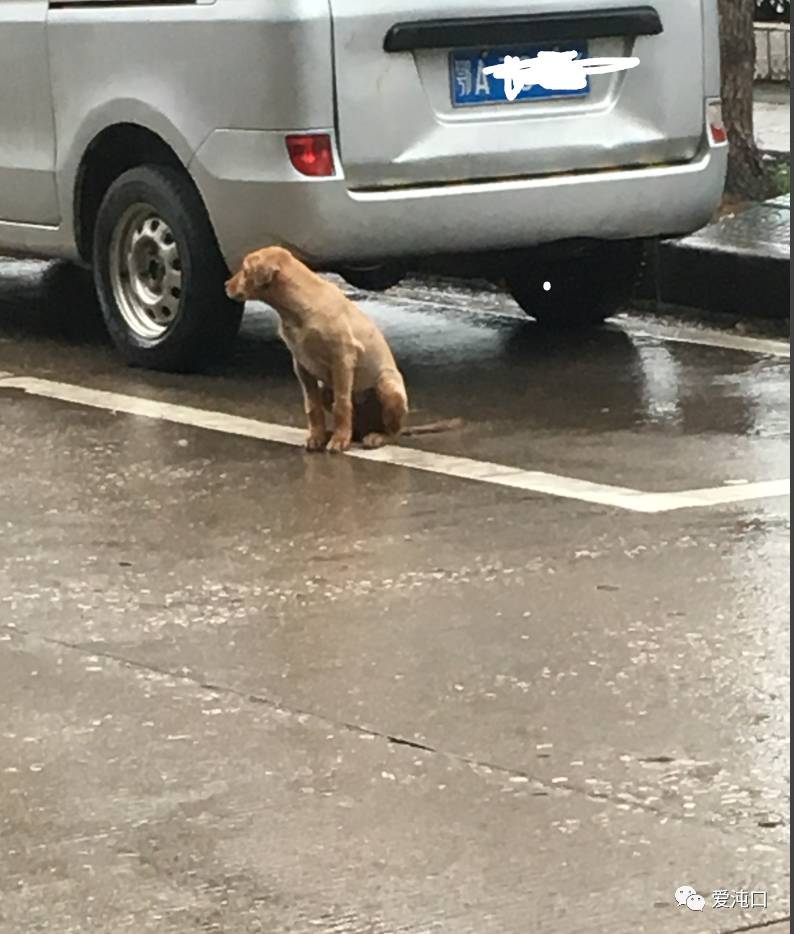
x,y
256,274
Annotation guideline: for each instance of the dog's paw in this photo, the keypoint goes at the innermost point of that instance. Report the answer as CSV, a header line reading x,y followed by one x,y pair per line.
x,y
338,444
316,442
374,440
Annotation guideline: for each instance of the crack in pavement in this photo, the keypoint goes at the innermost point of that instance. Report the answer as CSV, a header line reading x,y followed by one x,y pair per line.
x,y
555,790
757,926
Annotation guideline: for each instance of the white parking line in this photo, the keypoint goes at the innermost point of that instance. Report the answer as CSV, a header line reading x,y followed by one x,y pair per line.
x,y
466,468
702,337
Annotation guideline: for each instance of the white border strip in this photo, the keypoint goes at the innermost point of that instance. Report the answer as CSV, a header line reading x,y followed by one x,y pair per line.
x,y
702,337
533,481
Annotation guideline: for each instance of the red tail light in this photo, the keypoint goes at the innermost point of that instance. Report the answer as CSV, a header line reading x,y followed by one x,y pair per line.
x,y
311,153
717,132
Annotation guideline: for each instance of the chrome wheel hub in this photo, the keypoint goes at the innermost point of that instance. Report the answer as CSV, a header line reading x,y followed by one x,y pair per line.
x,y
146,272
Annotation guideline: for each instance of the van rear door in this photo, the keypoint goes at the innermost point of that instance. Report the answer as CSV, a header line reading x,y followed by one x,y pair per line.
x,y
415,104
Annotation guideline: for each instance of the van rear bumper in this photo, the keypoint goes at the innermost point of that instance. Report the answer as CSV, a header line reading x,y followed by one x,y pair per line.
x,y
256,198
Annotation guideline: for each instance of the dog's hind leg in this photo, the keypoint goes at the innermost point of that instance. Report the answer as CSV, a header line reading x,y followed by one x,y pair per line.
x,y
391,394
367,412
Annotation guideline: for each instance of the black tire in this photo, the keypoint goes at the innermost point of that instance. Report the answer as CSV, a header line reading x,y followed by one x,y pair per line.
x,y
71,279
205,322
69,299
578,291
373,278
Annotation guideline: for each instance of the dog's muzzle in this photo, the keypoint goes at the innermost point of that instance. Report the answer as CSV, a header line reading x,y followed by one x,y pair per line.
x,y
234,290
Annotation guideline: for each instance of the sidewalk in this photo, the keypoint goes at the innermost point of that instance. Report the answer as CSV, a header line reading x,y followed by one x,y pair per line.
x,y
771,115
739,265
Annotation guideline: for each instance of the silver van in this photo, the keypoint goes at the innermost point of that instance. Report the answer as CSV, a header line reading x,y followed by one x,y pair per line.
x,y
158,141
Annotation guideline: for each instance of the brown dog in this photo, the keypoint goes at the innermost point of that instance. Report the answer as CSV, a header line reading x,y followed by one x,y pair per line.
x,y
340,357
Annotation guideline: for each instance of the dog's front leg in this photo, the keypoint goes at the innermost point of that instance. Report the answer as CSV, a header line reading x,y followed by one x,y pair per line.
x,y
313,405
342,411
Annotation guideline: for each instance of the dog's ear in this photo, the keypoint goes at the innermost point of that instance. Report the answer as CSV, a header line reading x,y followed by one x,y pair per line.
x,y
260,271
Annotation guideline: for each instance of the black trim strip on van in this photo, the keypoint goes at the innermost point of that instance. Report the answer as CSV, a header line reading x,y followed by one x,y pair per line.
x,y
109,4
488,31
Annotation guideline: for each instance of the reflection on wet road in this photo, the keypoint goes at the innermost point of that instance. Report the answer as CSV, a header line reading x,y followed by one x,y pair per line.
x,y
249,689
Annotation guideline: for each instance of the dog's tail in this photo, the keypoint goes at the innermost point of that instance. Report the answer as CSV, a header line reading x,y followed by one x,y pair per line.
x,y
433,428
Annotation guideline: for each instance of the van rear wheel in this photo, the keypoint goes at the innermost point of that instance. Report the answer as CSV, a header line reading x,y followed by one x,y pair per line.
x,y
159,274
577,291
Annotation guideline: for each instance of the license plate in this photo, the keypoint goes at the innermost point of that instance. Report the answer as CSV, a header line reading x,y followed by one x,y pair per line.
x,y
470,85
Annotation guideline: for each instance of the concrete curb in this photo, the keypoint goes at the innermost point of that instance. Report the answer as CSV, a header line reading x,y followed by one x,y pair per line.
x,y
739,265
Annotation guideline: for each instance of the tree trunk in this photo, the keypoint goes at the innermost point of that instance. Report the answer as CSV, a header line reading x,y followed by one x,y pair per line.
x,y
746,175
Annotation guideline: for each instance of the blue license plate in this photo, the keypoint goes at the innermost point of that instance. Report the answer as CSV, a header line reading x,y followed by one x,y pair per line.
x,y
471,86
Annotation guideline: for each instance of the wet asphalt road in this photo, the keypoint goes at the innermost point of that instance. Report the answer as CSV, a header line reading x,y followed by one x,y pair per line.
x,y
246,689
